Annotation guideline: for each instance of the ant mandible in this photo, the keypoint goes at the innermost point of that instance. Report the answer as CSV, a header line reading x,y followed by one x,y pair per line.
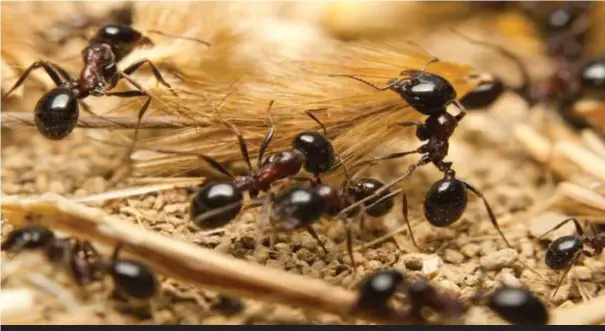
x,y
562,253
57,111
81,258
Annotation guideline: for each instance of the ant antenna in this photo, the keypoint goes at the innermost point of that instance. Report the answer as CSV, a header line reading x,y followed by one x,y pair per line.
x,y
269,136
180,37
433,57
523,89
116,252
310,114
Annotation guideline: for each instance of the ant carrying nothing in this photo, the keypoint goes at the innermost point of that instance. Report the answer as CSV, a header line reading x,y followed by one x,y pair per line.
x,y
430,94
562,253
80,257
57,111
514,304
131,278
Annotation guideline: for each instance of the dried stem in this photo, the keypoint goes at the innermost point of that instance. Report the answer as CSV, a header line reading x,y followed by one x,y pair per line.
x,y
188,262
21,119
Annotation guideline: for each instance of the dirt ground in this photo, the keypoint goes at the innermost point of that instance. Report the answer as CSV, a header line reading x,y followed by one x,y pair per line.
x,y
484,153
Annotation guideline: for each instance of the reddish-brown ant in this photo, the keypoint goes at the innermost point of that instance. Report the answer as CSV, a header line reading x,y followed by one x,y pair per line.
x,y
447,199
131,278
514,304
57,111
80,257
562,253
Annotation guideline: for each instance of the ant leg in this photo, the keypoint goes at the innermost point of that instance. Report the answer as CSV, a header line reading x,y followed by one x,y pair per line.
x,y
243,147
263,218
579,230
462,113
387,87
388,157
316,237
349,233
572,262
490,212
523,89
47,66
156,73
210,160
404,206
268,137
142,111
409,123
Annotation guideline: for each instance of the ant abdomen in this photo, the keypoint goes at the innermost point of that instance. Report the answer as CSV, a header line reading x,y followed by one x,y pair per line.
x,y
518,306
134,279
56,113
213,196
445,202
561,252
365,187
297,207
28,237
484,95
317,149
376,290
121,38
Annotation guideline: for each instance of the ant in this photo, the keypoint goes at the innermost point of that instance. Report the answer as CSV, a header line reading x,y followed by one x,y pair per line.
x,y
447,199
79,256
57,111
310,150
132,278
514,304
562,253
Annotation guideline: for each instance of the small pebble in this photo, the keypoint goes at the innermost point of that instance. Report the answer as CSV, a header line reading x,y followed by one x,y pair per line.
x,y
414,261
431,266
499,259
453,256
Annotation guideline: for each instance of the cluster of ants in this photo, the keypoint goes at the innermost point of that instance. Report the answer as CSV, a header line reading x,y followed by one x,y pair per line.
x,y
301,205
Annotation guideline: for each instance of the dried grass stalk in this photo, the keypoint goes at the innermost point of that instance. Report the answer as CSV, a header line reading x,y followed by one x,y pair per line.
x,y
185,261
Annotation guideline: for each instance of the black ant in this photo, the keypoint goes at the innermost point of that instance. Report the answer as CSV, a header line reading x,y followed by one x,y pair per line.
x,y
447,199
514,304
57,111
562,253
79,256
132,278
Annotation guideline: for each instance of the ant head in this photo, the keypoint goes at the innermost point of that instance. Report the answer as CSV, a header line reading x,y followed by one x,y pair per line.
x,y
213,196
297,207
285,163
365,187
317,149
28,237
56,113
445,202
561,252
376,289
117,34
428,93
593,74
518,306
